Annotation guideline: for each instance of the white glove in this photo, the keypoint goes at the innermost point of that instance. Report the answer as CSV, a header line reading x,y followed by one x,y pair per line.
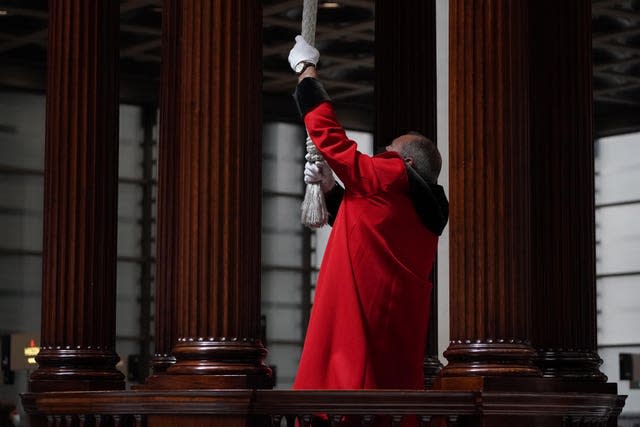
x,y
302,52
319,173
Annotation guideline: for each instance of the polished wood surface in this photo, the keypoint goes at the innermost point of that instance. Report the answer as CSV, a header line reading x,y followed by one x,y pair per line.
x,y
490,181
562,191
491,407
80,200
522,205
168,203
218,190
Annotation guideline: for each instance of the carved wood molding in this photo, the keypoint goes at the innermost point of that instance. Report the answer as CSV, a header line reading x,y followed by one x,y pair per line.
x,y
488,358
219,356
76,369
570,364
297,403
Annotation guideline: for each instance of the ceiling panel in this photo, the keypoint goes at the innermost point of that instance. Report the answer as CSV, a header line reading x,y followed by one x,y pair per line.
x,y
345,37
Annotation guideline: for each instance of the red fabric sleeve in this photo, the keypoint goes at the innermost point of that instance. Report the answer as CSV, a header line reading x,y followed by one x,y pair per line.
x,y
360,173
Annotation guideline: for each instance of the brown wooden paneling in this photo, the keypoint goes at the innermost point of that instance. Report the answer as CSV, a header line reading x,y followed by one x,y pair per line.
x,y
80,199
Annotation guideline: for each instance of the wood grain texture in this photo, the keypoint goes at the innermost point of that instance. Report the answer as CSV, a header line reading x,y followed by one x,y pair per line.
x,y
522,226
405,63
217,305
187,407
168,202
490,181
562,191
80,199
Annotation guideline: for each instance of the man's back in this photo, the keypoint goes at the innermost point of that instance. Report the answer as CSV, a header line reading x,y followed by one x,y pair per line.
x,y
369,321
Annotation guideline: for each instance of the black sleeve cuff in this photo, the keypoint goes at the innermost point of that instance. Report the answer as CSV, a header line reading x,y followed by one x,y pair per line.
x,y
308,94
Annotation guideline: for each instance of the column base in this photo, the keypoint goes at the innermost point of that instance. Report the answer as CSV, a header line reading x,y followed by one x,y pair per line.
x,y
571,365
490,358
431,370
215,363
161,362
76,369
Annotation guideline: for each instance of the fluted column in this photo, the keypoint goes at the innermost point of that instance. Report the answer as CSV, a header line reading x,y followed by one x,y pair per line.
x,y
490,211
219,195
564,294
406,99
168,203
80,199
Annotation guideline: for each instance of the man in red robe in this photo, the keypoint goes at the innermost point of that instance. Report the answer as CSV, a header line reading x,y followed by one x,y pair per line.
x,y
369,321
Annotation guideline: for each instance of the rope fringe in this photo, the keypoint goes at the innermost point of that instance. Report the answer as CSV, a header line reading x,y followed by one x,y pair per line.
x,y
314,208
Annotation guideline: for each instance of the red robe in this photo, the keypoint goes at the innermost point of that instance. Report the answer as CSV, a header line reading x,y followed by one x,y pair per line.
x,y
369,321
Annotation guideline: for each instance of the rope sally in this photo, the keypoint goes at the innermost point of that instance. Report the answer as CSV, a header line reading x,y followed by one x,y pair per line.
x,y
314,208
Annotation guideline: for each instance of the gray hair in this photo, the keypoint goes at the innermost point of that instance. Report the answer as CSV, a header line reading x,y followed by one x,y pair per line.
x,y
426,157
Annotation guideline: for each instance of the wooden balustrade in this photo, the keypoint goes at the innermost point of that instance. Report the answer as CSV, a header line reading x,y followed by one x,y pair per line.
x,y
279,408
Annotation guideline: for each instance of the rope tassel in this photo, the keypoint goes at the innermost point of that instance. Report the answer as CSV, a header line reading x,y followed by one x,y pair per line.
x,y
314,208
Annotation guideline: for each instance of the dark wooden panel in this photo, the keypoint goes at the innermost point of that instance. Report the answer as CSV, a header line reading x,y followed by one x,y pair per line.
x,y
256,407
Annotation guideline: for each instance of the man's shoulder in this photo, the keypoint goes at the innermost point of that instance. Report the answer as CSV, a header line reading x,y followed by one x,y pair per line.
x,y
390,170
388,155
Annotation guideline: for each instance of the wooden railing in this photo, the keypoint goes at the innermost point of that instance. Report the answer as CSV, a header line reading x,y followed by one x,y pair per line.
x,y
277,408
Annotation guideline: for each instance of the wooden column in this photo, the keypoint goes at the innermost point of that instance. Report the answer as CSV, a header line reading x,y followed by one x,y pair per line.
x,y
168,203
563,255
80,200
406,100
490,182
218,102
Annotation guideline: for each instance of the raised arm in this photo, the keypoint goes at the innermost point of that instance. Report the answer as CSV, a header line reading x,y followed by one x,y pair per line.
x,y
359,172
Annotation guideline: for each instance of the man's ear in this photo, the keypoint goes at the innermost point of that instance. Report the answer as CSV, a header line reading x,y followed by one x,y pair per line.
x,y
409,161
